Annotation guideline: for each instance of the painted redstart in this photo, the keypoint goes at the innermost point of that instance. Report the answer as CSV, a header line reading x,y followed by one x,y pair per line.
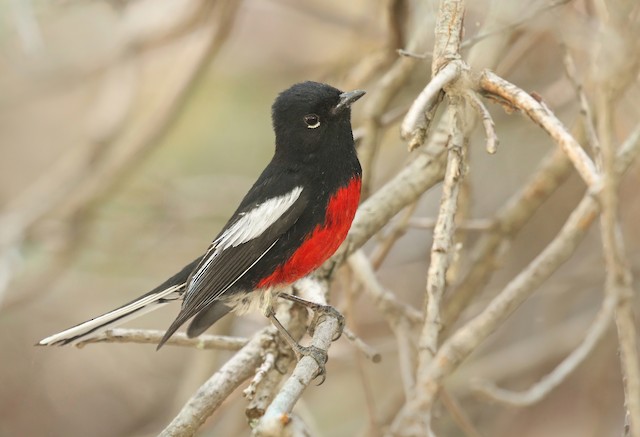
x,y
292,220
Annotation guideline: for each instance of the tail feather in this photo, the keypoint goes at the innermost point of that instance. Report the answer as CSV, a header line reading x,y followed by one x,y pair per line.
x,y
132,310
170,290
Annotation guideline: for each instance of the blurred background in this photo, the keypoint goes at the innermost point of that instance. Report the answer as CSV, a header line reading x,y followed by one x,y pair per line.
x,y
131,129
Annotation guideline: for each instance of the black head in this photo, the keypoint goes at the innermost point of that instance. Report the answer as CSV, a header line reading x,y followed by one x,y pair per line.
x,y
310,117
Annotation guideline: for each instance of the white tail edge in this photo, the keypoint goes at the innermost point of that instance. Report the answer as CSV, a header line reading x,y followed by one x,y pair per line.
x,y
97,325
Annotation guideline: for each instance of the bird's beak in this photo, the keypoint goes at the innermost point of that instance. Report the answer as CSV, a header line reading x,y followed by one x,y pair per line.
x,y
346,99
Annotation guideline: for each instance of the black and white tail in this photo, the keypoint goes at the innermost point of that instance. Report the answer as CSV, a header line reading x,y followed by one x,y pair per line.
x,y
170,290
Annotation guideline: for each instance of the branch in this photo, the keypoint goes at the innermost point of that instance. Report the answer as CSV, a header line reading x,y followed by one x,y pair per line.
x,y
415,124
508,222
475,225
585,108
152,336
487,121
542,115
552,380
387,303
619,278
398,230
415,417
441,255
368,351
466,339
442,248
379,100
276,418
211,394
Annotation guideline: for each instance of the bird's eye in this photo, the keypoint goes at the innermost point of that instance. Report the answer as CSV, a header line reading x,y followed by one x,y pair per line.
x,y
312,121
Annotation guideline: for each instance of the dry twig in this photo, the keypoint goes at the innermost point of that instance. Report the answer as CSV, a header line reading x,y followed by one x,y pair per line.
x,y
153,336
542,115
211,394
541,389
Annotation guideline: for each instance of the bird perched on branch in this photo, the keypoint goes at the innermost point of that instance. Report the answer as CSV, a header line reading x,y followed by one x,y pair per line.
x,y
293,219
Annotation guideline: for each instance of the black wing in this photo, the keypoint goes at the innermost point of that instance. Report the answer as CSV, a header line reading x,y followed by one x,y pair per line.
x,y
225,263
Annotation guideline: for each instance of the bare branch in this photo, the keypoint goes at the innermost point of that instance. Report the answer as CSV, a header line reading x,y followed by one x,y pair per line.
x,y
468,338
267,365
387,303
368,351
458,414
585,107
509,220
442,248
407,356
153,336
487,121
415,123
211,394
398,230
619,278
380,98
478,225
275,418
542,115
552,380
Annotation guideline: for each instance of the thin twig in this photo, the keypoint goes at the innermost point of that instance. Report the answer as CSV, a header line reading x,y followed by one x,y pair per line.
x,y
153,336
379,100
509,220
399,229
368,351
407,356
387,302
267,364
458,414
415,124
478,225
487,121
415,417
512,26
542,115
585,107
552,380
619,279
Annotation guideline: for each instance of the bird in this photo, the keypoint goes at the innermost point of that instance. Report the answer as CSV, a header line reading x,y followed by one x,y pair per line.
x,y
293,218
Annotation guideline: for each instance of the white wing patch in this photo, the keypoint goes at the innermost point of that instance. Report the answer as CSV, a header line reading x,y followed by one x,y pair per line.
x,y
250,225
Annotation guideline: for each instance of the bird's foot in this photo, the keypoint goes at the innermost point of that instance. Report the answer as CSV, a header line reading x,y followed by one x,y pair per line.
x,y
320,312
320,356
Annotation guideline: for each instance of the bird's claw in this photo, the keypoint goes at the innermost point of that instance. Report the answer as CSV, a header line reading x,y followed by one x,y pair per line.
x,y
320,313
320,356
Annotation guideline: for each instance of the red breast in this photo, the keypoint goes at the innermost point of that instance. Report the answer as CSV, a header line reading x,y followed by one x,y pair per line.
x,y
323,241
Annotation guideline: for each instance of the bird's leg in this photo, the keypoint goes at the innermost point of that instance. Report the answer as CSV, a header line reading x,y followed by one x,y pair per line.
x,y
314,352
319,311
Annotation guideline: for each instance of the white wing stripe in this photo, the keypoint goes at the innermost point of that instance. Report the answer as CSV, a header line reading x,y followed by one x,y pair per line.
x,y
251,225
254,222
